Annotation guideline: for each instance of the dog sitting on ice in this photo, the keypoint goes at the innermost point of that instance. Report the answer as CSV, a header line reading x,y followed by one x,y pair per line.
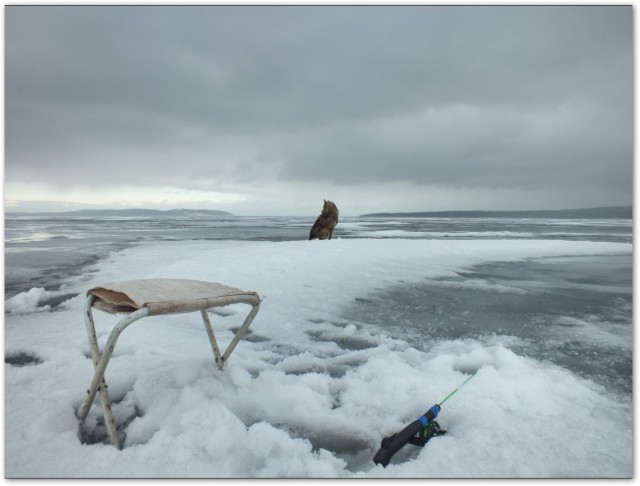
x,y
323,227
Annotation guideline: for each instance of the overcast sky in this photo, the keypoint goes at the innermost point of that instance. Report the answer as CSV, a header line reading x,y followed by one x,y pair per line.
x,y
270,110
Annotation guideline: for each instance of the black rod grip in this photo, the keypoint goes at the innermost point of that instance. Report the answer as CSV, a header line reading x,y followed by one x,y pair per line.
x,y
384,455
391,445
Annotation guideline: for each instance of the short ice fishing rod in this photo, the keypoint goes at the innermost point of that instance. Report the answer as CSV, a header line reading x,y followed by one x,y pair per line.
x,y
417,432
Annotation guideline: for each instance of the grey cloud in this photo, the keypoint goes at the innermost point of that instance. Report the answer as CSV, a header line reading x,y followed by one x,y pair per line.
x,y
463,96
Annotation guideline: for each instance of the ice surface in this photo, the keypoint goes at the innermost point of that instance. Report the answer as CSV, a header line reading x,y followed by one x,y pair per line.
x,y
308,393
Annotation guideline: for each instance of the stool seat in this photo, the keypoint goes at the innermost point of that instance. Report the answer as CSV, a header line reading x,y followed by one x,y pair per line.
x,y
167,296
153,297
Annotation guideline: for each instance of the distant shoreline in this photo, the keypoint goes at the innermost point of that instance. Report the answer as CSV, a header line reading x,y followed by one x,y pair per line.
x,y
612,212
133,212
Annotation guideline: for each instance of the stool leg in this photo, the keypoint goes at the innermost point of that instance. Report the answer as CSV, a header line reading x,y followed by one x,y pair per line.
x,y
212,339
102,384
100,363
245,325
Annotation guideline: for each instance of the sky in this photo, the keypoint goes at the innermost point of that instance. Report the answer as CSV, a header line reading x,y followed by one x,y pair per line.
x,y
265,110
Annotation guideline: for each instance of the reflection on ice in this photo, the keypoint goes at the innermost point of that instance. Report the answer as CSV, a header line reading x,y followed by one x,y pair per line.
x,y
579,316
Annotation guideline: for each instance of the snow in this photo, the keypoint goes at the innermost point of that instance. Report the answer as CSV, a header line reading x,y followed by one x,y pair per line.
x,y
307,393
27,302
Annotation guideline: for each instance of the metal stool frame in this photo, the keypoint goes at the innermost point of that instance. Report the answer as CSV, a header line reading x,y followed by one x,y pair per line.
x,y
101,360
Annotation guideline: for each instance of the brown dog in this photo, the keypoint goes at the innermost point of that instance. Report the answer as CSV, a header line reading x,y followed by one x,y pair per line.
x,y
323,227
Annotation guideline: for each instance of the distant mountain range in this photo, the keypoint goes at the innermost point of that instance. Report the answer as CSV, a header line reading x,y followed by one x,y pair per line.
x,y
140,213
621,212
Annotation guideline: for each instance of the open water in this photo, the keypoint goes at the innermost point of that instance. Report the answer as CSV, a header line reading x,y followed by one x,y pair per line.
x,y
573,311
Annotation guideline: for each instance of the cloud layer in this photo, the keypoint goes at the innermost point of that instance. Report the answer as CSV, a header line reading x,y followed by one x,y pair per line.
x,y
259,102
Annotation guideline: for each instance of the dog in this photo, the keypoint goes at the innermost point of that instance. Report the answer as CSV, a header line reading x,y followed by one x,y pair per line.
x,y
323,227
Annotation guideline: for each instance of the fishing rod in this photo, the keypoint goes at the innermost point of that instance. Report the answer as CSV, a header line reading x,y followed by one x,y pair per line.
x,y
417,432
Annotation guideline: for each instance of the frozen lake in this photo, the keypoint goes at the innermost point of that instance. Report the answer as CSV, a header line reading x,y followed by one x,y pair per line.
x,y
355,338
